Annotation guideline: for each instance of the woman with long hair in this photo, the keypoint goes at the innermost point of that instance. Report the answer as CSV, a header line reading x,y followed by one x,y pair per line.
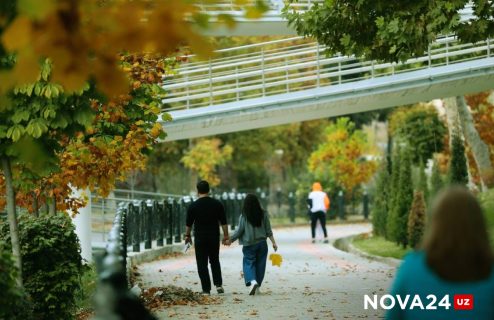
x,y
253,229
455,258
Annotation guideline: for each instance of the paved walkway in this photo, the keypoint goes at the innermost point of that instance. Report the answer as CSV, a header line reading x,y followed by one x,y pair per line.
x,y
315,281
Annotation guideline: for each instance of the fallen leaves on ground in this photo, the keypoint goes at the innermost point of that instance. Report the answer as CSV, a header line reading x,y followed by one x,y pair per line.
x,y
164,297
84,314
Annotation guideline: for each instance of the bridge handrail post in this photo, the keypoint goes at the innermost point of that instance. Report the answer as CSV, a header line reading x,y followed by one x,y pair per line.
x,y
263,73
318,65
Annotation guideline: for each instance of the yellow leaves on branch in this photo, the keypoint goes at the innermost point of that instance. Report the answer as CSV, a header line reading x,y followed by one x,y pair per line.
x,y
341,156
84,37
204,158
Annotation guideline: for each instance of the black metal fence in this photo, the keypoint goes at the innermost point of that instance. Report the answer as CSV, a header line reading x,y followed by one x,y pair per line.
x,y
156,223
113,299
142,224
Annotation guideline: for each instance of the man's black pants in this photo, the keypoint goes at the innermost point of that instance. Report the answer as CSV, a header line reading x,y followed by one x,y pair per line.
x,y
314,216
208,249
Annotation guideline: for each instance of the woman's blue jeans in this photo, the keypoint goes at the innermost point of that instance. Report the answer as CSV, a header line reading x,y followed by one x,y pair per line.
x,y
254,263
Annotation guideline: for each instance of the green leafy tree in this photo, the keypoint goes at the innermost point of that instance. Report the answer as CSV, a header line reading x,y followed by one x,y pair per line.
x,y
393,191
388,30
13,303
422,130
52,264
398,217
205,156
254,159
381,204
458,171
422,183
436,180
416,220
38,116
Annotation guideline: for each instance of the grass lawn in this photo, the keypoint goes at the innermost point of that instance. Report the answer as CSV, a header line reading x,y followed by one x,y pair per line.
x,y
84,298
380,247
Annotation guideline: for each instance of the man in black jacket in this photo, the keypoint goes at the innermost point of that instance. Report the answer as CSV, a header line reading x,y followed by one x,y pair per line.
x,y
207,214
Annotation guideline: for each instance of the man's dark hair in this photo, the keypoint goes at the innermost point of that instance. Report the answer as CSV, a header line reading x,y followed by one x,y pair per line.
x,y
203,187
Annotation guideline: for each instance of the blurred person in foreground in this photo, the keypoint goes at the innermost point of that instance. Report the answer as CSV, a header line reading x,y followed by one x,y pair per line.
x,y
455,258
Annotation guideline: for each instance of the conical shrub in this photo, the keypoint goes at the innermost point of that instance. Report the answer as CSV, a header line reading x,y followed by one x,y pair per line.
x,y
416,220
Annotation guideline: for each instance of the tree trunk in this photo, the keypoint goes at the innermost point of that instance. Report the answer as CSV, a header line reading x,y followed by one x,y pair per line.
x,y
46,206
35,204
12,218
479,148
451,116
53,206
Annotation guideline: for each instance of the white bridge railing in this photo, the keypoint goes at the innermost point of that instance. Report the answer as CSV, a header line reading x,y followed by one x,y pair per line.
x,y
231,7
290,65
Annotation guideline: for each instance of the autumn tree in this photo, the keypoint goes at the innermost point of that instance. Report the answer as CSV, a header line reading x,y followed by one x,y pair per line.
x,y
397,31
341,156
62,141
83,38
482,106
37,117
205,156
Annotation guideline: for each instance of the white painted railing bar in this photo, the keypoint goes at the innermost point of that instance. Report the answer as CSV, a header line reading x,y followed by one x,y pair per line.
x,y
433,57
244,75
252,57
307,49
316,64
249,60
442,53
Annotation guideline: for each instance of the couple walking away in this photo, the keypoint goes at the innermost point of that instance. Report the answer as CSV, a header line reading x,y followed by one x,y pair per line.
x,y
206,214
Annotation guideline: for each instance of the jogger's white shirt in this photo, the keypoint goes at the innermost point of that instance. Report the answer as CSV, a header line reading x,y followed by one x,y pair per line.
x,y
317,198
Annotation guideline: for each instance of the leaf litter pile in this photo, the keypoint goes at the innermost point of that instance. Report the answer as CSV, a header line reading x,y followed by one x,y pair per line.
x,y
164,297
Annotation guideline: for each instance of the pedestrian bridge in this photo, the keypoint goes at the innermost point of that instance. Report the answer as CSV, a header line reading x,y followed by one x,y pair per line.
x,y
292,80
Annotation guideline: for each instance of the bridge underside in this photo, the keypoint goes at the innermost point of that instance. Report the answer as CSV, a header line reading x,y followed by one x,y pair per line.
x,y
331,101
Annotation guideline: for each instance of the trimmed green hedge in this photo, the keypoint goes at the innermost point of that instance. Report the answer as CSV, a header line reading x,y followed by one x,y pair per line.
x,y
51,264
13,304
